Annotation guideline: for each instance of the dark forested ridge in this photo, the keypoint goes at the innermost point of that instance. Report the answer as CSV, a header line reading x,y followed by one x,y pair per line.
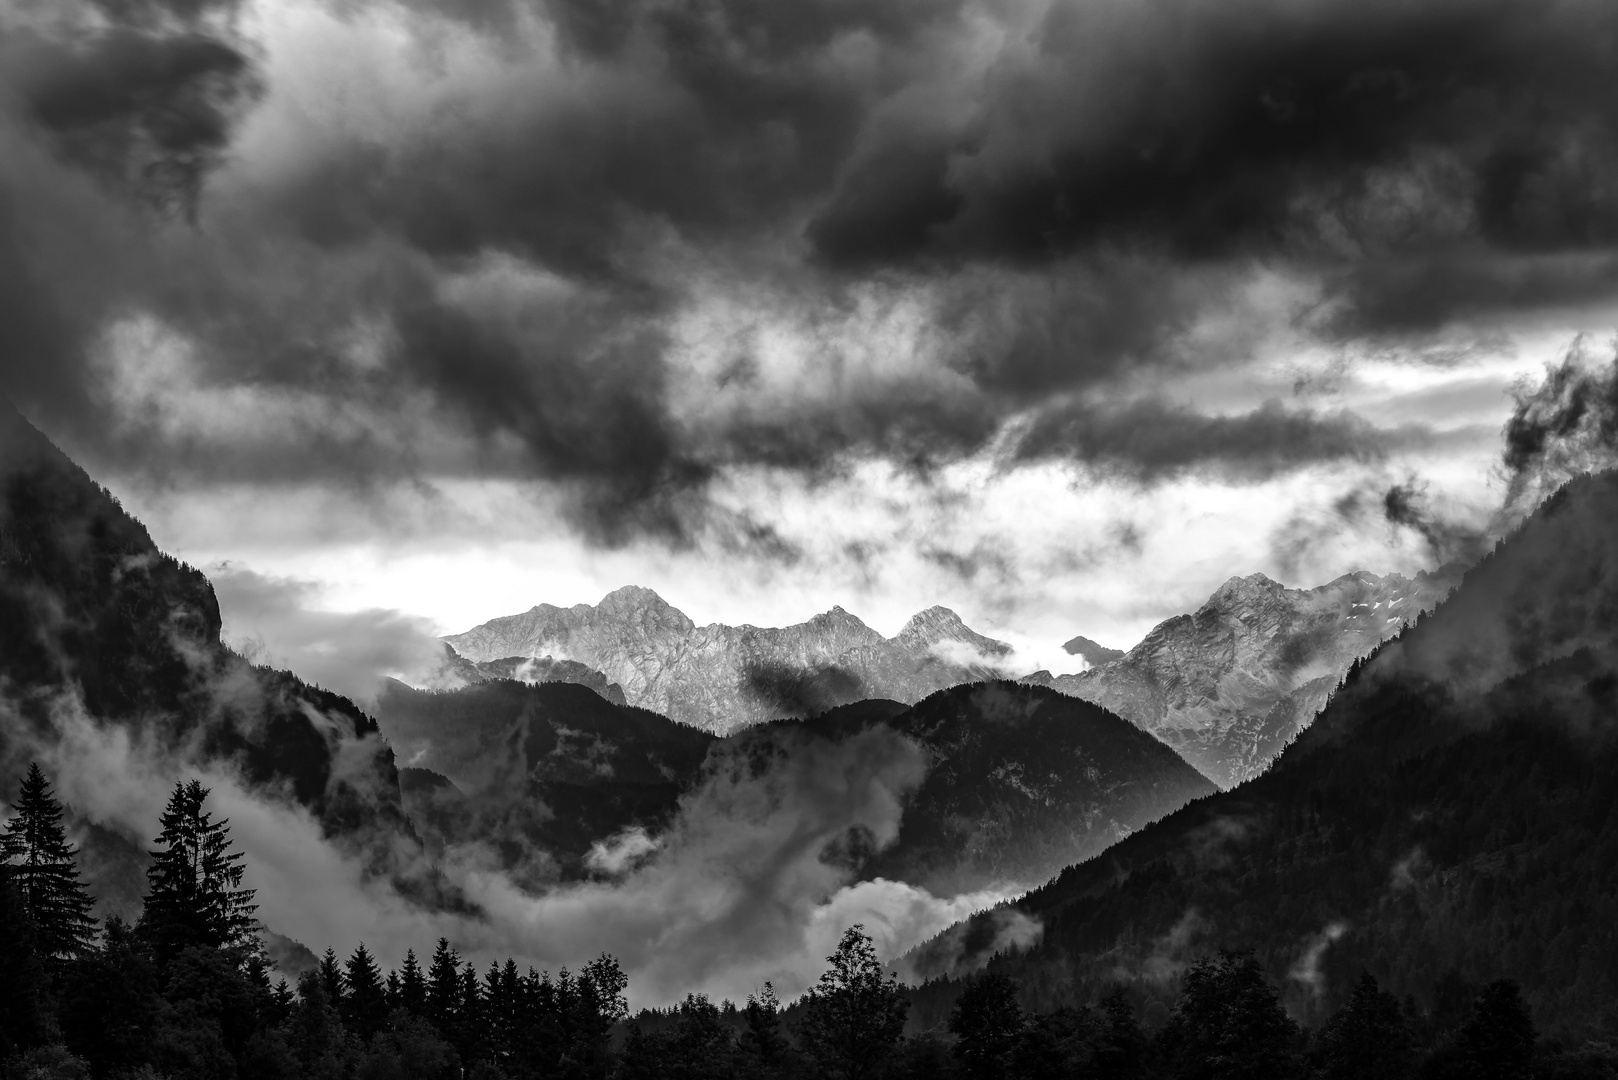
x,y
1449,820
1022,781
95,621
1019,781
543,770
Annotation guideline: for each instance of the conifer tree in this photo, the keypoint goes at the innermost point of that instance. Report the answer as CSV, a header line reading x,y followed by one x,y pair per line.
x,y
195,896
330,973
412,986
22,987
763,1038
365,1005
444,988
471,1031
44,872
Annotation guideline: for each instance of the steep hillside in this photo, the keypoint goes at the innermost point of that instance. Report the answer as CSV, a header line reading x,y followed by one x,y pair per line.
x,y
721,677
1019,781
1233,683
1449,819
97,624
539,773
1023,782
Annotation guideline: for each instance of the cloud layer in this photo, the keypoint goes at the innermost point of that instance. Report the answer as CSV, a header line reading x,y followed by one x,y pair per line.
x,y
624,249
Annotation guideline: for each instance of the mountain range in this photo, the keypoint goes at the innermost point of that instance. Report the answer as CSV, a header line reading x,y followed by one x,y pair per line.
x,y
721,678
1226,686
992,785
1447,820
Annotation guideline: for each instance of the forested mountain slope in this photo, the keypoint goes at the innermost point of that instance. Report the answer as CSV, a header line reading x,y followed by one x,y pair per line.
x,y
99,626
1448,820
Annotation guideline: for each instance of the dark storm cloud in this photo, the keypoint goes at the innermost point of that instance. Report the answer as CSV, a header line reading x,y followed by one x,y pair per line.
x,y
1407,505
1149,439
146,97
1059,214
1212,130
1566,425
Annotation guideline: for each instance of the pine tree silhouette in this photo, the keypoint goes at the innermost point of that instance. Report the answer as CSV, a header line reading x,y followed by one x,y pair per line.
x,y
330,973
195,898
444,988
365,1005
763,1038
412,986
23,1021
44,872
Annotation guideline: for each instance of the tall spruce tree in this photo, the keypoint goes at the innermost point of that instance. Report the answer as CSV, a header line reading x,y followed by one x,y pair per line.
x,y
44,872
365,1005
330,971
195,898
412,986
444,989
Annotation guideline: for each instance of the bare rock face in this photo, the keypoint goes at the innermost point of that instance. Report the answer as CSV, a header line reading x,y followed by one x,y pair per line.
x,y
1230,685
721,678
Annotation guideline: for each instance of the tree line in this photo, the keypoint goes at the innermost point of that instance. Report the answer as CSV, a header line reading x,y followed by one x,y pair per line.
x,y
185,993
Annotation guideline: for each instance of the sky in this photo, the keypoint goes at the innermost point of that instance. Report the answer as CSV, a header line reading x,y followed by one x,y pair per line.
x,y
399,315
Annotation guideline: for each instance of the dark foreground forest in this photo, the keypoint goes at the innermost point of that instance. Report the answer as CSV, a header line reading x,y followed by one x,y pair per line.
x,y
186,993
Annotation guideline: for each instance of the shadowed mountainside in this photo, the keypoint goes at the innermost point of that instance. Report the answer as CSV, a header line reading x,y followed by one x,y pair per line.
x,y
539,773
1022,782
1451,811
1019,781
100,629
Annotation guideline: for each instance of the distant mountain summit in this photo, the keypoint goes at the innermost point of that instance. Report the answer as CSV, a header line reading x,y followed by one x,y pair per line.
x,y
1090,652
720,678
1231,684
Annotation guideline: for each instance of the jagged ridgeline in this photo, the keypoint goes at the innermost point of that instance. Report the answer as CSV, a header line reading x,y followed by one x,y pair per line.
x,y
1449,820
722,678
98,626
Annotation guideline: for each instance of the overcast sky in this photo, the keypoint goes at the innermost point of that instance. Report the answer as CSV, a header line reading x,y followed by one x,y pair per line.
x,y
1058,312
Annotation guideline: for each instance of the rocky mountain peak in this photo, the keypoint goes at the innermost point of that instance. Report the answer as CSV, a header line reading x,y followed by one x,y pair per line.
x,y
640,605
1253,588
938,625
1093,653
720,677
